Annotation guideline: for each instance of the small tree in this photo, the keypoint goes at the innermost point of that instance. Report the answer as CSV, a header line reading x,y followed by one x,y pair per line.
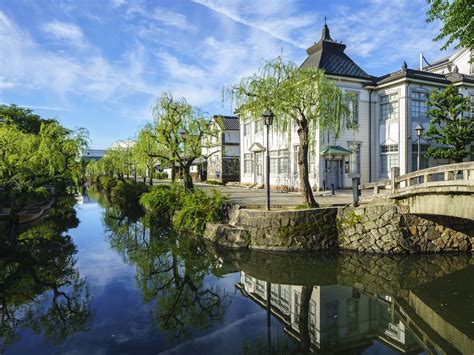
x,y
451,126
458,23
180,128
297,96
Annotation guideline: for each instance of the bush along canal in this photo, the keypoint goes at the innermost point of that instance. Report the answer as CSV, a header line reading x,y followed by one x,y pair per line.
x,y
103,276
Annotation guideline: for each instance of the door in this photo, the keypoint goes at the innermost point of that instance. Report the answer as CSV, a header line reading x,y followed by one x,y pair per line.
x,y
258,168
333,173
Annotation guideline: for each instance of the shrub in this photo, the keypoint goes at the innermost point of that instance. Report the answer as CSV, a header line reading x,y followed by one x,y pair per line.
x,y
198,208
126,194
163,200
214,182
161,175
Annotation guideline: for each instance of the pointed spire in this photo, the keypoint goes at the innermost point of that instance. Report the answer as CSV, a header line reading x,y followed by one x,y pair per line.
x,y
404,66
325,34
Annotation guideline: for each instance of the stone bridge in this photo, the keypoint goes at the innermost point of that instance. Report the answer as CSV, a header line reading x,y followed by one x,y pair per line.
x,y
446,190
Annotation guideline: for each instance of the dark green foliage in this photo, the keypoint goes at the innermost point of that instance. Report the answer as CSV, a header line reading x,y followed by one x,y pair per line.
x,y
41,288
451,125
458,21
187,211
161,175
126,194
162,201
214,182
23,118
199,208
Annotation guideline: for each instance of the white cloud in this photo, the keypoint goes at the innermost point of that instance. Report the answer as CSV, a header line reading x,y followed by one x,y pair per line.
x,y
279,20
171,18
65,31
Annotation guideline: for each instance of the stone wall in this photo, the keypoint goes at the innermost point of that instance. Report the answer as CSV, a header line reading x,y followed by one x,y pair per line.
x,y
310,229
389,229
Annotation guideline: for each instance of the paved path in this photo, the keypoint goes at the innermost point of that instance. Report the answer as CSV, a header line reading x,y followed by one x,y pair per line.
x,y
253,198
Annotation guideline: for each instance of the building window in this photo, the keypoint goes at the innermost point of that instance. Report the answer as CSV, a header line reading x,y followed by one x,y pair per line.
x,y
424,159
297,307
279,161
418,105
248,163
352,101
247,127
389,106
258,127
354,159
296,149
388,158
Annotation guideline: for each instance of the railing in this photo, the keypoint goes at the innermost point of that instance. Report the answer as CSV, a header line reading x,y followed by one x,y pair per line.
x,y
459,174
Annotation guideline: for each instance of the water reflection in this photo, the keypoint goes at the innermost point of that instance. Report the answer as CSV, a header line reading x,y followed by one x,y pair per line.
x,y
407,305
170,274
40,288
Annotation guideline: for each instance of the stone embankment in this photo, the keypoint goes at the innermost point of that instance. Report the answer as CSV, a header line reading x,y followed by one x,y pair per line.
x,y
376,229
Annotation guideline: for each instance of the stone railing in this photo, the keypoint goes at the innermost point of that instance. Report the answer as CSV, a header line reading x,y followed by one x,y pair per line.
x,y
460,174
452,175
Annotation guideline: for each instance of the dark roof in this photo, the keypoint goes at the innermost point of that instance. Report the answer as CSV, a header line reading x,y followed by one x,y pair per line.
x,y
423,75
329,55
229,123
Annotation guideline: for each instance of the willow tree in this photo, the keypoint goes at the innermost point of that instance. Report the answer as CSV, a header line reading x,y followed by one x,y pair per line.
x,y
149,152
180,128
300,97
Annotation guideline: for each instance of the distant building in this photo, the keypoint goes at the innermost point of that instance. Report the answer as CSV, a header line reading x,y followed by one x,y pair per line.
x,y
385,111
223,158
92,154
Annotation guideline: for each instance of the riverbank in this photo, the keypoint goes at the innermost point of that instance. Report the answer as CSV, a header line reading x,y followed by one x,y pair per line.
x,y
386,228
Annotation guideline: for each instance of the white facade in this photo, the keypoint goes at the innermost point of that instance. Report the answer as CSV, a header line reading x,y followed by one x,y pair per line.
x,y
386,109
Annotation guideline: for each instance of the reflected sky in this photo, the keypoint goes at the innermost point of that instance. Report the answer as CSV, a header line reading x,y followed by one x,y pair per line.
x,y
128,298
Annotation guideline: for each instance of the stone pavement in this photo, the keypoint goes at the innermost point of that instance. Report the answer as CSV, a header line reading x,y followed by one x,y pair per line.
x,y
255,198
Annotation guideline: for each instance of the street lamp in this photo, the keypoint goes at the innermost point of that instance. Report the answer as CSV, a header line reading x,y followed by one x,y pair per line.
x,y
268,121
419,131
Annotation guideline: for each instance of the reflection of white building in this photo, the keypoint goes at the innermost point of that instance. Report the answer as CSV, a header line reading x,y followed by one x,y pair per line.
x,y
340,318
384,109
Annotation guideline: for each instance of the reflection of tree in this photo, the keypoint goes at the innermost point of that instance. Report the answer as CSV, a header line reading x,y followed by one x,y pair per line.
x,y
170,274
39,285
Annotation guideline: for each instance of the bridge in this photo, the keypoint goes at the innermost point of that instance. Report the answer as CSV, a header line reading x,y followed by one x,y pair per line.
x,y
446,190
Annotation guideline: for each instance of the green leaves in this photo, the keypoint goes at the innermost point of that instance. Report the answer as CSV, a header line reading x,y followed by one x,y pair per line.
x,y
451,127
458,24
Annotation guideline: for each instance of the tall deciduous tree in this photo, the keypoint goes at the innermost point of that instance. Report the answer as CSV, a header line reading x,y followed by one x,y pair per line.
x,y
303,97
451,125
458,21
180,128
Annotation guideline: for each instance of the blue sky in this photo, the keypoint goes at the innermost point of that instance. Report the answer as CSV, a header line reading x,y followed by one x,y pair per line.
x,y
101,64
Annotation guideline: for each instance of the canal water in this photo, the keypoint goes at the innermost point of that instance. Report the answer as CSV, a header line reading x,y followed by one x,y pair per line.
x,y
90,279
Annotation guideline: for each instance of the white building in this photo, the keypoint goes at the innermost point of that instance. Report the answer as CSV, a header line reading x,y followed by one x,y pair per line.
x,y
223,151
386,110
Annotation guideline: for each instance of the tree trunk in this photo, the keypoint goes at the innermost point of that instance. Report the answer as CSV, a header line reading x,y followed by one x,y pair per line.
x,y
305,186
305,340
150,176
187,180
173,173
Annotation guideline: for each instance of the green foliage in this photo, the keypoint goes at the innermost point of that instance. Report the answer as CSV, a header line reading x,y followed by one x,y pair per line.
x,y
458,21
163,201
179,129
198,209
126,194
188,211
41,287
163,175
35,152
451,126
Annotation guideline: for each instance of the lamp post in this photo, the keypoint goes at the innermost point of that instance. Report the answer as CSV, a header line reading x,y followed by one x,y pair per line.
x,y
268,121
419,131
